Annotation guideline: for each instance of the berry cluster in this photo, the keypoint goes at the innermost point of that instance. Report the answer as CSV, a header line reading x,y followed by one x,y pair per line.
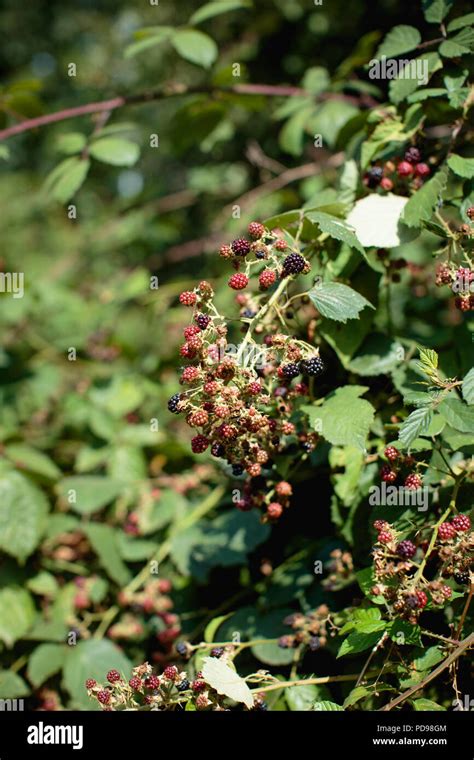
x,y
400,466
341,571
460,280
402,176
145,690
153,601
310,630
242,399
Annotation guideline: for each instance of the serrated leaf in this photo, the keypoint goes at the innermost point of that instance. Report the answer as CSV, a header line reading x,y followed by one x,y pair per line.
x,y
401,39
463,167
359,642
427,705
117,151
461,44
45,661
421,204
415,424
337,301
404,633
12,686
461,22
355,696
468,387
408,81
343,419
17,613
326,706
195,47
457,414
23,514
429,358
436,10
226,681
216,8
335,227
377,221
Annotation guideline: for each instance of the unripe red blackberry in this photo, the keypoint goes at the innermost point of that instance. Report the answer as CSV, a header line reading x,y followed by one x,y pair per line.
x,y
391,453
470,212
283,488
187,351
461,523
199,418
463,303
152,682
188,298
404,169
412,155
189,375
104,696
446,592
244,505
381,525
446,531
191,331
266,279
201,702
90,683
384,537
227,431
274,510
406,549
281,245
313,366
202,320
422,599
205,289
238,281
254,470
195,343
212,387
290,370
113,676
240,247
254,388
387,474
199,444
386,184
198,685
444,276
413,481
422,170
225,251
171,672
293,264
135,683
256,230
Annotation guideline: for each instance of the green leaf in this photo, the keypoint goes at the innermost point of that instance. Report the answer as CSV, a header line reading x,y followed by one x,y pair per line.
x,y
461,44
326,706
408,80
344,419
23,514
359,642
415,424
377,220
212,627
461,22
209,10
360,692
72,142
336,228
226,681
12,686
316,80
436,10
401,39
404,633
27,458
302,698
88,493
428,359
378,355
291,137
17,613
117,151
463,167
153,36
429,659
337,301
91,659
468,387
457,414
66,179
426,705
43,584
103,539
45,661
195,46
421,204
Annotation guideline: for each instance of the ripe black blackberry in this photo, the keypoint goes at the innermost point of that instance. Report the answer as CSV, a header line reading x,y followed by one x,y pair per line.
x,y
293,264
202,320
412,155
183,685
237,469
173,403
462,577
373,176
313,366
314,643
217,450
217,652
290,370
181,648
